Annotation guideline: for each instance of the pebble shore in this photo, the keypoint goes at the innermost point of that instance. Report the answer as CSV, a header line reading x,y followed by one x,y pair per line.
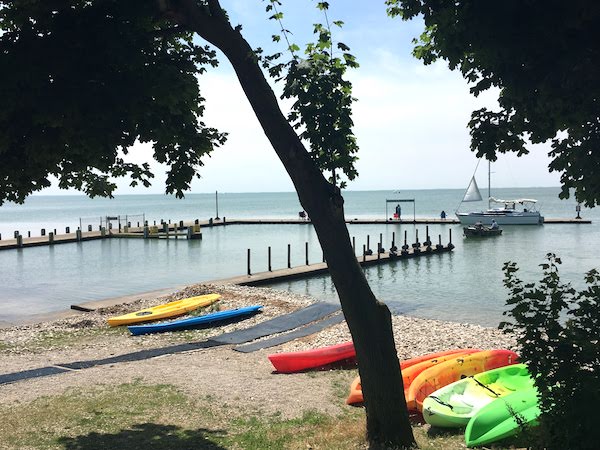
x,y
413,336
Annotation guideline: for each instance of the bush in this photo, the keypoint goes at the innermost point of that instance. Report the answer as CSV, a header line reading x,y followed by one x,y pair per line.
x,y
558,329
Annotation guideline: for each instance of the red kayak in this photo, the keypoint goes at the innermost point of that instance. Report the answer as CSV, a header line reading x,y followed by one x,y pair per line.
x,y
309,359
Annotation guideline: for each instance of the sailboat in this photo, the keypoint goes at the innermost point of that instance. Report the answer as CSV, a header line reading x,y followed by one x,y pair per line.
x,y
520,211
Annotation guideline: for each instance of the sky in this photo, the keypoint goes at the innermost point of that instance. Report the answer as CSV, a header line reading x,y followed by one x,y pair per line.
x,y
410,119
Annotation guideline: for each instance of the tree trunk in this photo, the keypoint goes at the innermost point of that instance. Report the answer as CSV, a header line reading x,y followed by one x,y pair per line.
x,y
369,320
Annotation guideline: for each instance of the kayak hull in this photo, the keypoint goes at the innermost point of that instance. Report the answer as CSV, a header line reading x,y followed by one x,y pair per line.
x,y
193,322
410,368
496,420
441,375
291,362
452,406
171,309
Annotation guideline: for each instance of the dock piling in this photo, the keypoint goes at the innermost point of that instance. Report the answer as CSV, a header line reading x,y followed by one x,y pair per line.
x,y
364,253
249,273
19,240
51,238
354,245
269,257
289,259
306,251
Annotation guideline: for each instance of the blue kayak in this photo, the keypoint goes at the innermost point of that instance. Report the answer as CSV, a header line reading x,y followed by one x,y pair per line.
x,y
193,321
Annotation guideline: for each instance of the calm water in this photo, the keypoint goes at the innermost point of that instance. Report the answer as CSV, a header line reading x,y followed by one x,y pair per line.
x,y
465,285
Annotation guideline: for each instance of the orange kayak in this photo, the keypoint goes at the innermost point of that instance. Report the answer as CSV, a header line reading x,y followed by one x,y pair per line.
x,y
419,363
454,369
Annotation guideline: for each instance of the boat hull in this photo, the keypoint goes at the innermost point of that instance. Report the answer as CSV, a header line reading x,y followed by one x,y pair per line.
x,y
473,231
453,370
497,420
291,362
410,369
501,218
171,309
452,406
192,322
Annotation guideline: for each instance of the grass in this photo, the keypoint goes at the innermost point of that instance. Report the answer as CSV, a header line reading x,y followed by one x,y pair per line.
x,y
160,417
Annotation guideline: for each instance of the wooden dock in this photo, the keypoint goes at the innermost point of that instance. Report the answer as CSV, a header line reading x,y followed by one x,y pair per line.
x,y
181,229
274,276
309,270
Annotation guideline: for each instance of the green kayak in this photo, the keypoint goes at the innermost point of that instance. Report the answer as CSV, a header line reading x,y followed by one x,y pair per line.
x,y
496,420
455,404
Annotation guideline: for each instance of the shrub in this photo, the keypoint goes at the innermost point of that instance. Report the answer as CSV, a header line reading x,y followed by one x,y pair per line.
x,y
558,329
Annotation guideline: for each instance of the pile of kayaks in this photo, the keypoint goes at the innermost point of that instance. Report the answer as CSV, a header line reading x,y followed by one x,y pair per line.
x,y
178,308
485,391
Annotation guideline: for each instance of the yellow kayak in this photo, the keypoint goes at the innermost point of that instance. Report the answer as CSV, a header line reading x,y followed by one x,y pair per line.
x,y
165,310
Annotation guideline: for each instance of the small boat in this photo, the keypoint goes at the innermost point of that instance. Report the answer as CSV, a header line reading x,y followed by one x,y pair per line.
x,y
410,368
441,375
290,362
508,214
452,406
481,231
504,417
171,309
184,324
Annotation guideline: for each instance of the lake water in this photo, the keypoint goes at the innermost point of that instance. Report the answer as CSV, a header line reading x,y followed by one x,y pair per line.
x,y
464,285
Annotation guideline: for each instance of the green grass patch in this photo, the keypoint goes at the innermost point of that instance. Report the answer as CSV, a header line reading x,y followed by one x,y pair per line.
x,y
160,417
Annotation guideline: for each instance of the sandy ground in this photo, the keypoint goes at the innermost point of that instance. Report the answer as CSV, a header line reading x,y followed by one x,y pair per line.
x,y
227,376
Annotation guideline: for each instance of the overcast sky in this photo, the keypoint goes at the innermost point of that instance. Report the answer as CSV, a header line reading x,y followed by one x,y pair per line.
x,y
410,119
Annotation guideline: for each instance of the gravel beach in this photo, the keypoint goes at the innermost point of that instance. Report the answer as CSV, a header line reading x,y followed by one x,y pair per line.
x,y
245,379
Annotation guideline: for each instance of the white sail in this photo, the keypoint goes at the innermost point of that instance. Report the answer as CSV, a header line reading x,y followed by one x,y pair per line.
x,y
472,194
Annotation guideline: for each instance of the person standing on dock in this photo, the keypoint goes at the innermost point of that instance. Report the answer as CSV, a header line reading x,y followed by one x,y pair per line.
x,y
443,215
398,211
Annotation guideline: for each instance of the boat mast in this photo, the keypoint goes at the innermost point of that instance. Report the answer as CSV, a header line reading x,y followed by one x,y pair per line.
x,y
489,183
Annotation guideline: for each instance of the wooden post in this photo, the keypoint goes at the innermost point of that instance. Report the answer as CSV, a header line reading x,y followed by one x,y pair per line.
x,y
380,241
364,253
405,234
393,238
189,232
78,234
19,240
368,243
354,245
146,232
270,259
378,251
51,238
306,251
249,273
289,256
29,234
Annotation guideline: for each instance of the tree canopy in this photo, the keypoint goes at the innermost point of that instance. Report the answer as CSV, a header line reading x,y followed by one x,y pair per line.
x,y
81,81
543,57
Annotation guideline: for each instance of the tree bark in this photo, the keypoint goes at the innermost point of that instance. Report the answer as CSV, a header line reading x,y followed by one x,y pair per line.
x,y
369,320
